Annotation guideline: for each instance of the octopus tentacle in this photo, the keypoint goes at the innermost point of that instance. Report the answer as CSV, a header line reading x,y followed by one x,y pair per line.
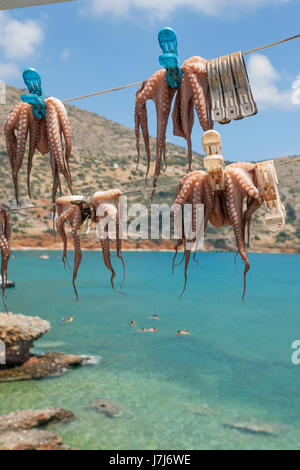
x,y
163,103
106,206
195,189
34,128
253,206
43,144
76,222
234,199
156,89
9,133
5,234
64,213
18,120
119,246
141,122
104,240
69,212
196,198
183,113
54,139
66,129
197,75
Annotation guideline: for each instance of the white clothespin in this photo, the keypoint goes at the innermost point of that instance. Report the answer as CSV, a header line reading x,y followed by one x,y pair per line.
x,y
214,162
230,91
246,102
232,109
216,93
268,183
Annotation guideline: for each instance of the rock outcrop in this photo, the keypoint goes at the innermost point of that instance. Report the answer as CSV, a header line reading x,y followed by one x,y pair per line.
x,y
18,430
106,407
39,367
18,332
28,419
34,439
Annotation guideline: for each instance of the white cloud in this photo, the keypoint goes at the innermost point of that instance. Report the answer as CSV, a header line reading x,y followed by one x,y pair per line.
x,y
19,39
65,54
8,71
162,8
264,79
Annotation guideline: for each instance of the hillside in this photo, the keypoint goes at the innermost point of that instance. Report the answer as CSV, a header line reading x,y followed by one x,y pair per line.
x,y
104,156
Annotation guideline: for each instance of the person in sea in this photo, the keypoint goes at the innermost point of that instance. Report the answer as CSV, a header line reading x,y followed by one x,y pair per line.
x,y
67,320
144,330
182,332
132,323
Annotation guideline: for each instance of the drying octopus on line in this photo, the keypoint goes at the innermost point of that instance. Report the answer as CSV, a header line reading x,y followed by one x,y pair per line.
x,y
224,207
193,92
102,208
5,235
45,135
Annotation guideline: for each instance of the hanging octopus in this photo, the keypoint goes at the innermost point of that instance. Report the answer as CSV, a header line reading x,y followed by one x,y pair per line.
x,y
158,90
45,135
193,92
102,208
221,207
5,234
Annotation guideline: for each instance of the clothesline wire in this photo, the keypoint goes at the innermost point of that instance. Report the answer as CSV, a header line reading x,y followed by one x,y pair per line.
x,y
272,44
139,83
135,191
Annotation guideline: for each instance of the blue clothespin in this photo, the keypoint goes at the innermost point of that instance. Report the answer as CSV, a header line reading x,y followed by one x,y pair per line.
x,y
36,96
169,59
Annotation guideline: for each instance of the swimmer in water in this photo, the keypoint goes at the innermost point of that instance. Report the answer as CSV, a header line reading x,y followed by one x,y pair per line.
x,y
182,332
67,320
153,317
152,330
132,323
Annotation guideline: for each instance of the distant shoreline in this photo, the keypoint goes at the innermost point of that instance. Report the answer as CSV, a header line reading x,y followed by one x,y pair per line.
x,y
146,250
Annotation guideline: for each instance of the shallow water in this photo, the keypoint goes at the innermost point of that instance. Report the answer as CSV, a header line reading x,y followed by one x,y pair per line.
x,y
177,392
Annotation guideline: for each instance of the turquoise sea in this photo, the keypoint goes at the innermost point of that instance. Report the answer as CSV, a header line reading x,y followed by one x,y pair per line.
x,y
177,392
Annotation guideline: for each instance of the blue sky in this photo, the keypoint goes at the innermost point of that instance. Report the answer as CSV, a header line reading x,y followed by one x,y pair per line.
x,y
90,45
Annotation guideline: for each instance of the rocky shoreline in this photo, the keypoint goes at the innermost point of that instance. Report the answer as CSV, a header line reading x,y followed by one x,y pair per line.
x,y
18,333
20,430
46,242
25,430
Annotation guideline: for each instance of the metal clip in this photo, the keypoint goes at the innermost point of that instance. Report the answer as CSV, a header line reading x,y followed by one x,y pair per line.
x,y
35,97
213,162
268,183
246,102
169,59
232,110
216,92
85,227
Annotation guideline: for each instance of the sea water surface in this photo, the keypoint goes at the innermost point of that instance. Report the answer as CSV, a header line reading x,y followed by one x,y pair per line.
x,y
176,392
